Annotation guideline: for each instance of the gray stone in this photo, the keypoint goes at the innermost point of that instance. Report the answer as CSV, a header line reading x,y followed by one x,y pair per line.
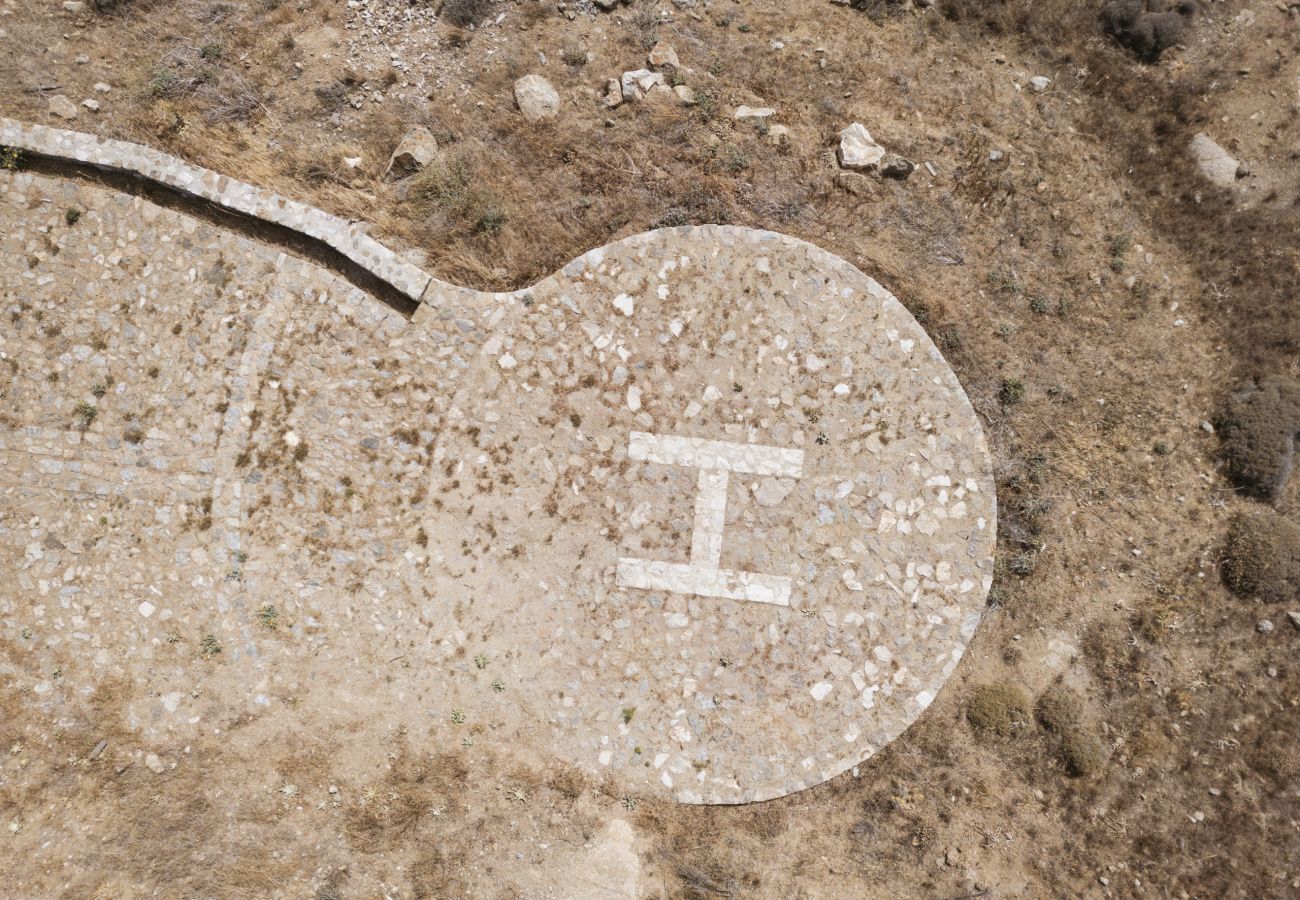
x,y
1216,164
685,94
62,107
74,6
613,93
638,82
895,166
102,87
663,55
154,764
1264,626
1040,83
416,150
755,115
854,183
1294,618
858,150
536,98
91,104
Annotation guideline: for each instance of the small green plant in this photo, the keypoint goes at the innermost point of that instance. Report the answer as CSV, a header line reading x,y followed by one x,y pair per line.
x,y
1039,304
268,618
99,390
211,50
498,685
629,803
480,661
628,713
457,717
1012,391
1161,449
71,216
10,158
209,646
490,219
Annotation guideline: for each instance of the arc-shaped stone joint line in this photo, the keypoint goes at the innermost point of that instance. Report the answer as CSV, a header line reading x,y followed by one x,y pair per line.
x,y
346,238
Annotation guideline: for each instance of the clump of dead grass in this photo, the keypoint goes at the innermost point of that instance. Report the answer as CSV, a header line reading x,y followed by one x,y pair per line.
x,y
1257,427
1262,557
1001,708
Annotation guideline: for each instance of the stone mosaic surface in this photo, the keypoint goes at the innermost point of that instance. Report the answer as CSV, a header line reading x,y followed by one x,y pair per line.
x,y
705,513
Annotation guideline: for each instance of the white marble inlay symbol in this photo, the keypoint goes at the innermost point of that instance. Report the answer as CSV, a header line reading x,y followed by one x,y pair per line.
x,y
716,460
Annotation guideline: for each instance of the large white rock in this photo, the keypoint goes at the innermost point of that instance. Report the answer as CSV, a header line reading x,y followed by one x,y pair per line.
x,y
637,83
1215,163
857,148
663,55
536,99
753,114
418,148
62,107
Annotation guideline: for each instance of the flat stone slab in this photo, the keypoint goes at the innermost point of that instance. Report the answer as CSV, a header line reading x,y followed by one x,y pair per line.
x,y
706,512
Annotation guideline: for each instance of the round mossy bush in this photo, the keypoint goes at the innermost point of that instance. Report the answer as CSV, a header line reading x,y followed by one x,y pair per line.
x,y
1258,426
1262,557
1059,709
1001,708
1082,752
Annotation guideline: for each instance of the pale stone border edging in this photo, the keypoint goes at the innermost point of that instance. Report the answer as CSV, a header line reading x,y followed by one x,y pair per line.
x,y
268,206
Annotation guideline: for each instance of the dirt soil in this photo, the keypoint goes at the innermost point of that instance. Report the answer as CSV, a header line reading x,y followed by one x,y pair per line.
x,y
1096,296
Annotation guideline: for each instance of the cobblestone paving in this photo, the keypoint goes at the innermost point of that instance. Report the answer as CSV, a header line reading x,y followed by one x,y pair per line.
x,y
705,513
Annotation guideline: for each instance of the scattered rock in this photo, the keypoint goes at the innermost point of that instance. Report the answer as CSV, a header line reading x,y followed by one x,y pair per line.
x,y
638,82
97,751
416,150
1040,83
1059,709
663,55
685,94
154,764
1145,31
854,183
773,491
607,5
894,166
92,105
1216,164
1257,429
102,88
661,93
62,107
74,6
778,136
613,93
1262,557
857,148
1001,708
1264,626
755,115
536,98
995,155
1294,617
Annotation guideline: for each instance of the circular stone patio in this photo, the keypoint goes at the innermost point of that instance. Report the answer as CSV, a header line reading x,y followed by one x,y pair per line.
x,y
706,512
